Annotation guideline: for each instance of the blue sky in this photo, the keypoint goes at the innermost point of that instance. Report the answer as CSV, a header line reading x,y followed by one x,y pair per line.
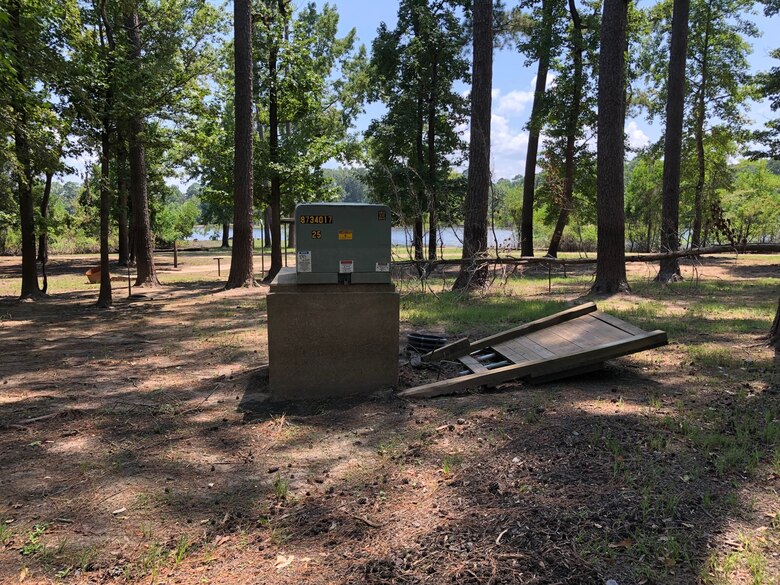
x,y
513,84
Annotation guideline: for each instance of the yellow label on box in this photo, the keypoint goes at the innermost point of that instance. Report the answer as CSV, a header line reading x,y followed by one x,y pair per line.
x,y
345,234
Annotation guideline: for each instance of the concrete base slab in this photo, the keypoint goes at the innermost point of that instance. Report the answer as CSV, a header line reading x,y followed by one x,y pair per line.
x,y
331,340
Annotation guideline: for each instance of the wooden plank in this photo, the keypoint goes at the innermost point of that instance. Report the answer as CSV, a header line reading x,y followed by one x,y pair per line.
x,y
513,346
539,350
588,331
572,313
458,347
537,368
550,340
511,354
619,323
472,364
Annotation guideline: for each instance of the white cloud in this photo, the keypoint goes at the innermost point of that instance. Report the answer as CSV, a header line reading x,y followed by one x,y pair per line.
x,y
514,102
636,137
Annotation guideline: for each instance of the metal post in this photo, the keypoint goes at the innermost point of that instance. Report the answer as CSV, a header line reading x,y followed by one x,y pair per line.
x,y
286,235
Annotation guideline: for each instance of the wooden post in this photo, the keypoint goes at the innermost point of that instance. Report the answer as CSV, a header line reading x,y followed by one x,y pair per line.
x,y
175,254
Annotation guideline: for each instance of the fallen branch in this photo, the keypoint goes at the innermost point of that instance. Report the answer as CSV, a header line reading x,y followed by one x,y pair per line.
x,y
367,521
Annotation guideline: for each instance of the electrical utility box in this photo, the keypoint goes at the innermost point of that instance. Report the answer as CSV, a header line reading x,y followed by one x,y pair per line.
x,y
333,320
343,243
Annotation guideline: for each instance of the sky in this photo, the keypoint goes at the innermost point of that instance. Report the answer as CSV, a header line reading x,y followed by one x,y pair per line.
x,y
513,85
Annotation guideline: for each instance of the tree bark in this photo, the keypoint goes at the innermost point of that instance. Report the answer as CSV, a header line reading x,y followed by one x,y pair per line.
x,y
571,135
43,238
700,114
122,201
24,175
432,182
225,235
610,157
473,272
669,270
241,261
535,127
774,332
146,275
104,298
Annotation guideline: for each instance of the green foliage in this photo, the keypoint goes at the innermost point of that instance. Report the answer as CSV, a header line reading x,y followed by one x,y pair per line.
x,y
643,202
414,68
753,206
320,83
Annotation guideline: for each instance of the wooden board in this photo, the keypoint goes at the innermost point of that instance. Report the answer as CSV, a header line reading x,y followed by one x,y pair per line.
x,y
542,367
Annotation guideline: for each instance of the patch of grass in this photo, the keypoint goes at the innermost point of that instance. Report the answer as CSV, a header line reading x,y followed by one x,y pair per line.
x,y
712,355
281,487
457,313
449,463
6,533
152,558
33,544
182,548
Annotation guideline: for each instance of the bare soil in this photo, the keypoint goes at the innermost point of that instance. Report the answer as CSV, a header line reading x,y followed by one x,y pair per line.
x,y
135,446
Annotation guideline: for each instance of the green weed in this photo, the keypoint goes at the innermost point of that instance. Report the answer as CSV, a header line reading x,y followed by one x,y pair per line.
x,y
33,544
281,487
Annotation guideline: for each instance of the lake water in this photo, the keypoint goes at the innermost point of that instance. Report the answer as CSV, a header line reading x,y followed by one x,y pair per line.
x,y
401,236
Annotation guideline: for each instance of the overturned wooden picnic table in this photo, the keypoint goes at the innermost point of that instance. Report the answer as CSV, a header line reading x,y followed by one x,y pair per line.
x,y
572,342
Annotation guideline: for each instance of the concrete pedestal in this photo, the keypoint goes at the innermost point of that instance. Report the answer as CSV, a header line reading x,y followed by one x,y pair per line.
x,y
331,340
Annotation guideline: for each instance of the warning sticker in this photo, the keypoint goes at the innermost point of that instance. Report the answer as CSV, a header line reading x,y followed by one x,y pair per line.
x,y
346,266
345,234
383,266
304,261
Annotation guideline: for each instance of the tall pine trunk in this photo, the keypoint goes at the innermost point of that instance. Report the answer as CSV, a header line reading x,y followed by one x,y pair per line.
x,y
610,157
144,247
675,110
273,153
123,227
432,182
535,128
104,298
700,113
43,238
774,332
241,261
571,133
24,173
473,271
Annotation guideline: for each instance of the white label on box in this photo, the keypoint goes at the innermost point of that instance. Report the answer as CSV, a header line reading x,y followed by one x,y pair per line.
x,y
383,266
346,266
304,261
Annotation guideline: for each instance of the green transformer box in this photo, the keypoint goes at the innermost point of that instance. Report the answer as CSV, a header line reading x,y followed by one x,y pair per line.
x,y
342,243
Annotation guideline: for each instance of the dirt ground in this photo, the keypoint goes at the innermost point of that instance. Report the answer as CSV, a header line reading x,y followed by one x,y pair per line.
x,y
134,447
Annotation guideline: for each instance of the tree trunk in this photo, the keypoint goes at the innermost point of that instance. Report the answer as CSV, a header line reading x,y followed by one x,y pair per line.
x,y
669,270
774,332
571,134
610,157
43,238
24,173
473,272
266,226
535,127
700,114
225,235
122,200
432,182
241,261
146,275
104,298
